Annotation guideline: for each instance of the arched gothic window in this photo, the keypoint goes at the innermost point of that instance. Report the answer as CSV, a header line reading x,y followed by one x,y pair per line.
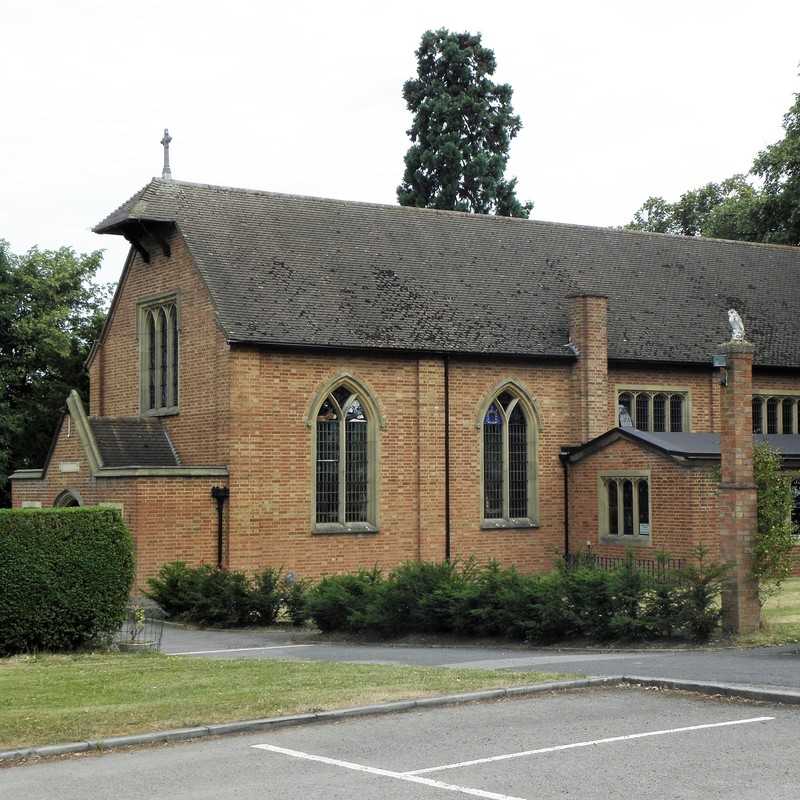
x,y
509,462
160,334
345,461
67,499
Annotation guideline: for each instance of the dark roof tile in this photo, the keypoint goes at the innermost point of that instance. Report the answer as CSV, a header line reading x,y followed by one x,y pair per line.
x,y
130,442
303,271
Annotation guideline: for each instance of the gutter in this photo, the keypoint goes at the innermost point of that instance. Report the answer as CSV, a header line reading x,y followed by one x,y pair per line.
x,y
563,456
446,362
220,494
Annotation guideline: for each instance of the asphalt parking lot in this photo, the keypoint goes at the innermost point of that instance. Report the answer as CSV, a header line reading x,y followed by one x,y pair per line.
x,y
617,743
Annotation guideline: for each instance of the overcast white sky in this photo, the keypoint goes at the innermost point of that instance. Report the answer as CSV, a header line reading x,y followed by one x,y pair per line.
x,y
619,100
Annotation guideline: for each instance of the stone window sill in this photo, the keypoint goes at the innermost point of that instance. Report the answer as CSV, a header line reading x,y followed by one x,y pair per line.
x,y
523,523
635,541
333,528
162,412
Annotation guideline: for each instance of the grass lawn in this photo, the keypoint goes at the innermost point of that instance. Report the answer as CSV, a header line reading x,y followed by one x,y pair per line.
x,y
781,617
51,699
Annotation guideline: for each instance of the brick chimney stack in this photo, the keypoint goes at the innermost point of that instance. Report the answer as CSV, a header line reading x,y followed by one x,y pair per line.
x,y
741,611
588,334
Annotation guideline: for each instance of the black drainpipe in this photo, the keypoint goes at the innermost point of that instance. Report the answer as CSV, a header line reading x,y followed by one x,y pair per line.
x,y
446,458
564,456
220,494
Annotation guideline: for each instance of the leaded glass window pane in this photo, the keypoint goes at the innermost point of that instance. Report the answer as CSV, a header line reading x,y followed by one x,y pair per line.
x,y
643,412
518,463
644,508
757,421
627,507
504,399
493,463
676,413
613,508
788,408
342,394
772,415
327,500
151,360
173,316
626,401
164,356
356,465
660,412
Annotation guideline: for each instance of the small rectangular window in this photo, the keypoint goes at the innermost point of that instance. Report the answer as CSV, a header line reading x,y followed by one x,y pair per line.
x,y
659,411
625,508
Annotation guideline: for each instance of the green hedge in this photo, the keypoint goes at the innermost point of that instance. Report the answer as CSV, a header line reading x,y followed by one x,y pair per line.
x,y
208,595
65,577
572,602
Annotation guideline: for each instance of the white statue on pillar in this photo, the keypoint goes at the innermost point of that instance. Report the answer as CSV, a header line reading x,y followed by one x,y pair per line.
x,y
737,326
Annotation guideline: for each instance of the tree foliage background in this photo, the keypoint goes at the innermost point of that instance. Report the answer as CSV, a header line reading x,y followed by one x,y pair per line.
x,y
51,310
462,129
774,543
762,206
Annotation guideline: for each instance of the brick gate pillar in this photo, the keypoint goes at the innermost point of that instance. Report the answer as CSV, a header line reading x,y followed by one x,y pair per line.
x,y
741,611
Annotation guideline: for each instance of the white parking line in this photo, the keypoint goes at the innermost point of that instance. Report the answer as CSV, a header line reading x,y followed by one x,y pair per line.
x,y
385,773
574,745
239,649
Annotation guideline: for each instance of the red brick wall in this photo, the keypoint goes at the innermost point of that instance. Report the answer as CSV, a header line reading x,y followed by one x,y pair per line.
x,y
271,469
683,502
200,431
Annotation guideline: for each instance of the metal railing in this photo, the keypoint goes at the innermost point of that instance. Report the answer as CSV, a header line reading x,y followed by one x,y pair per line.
x,y
141,630
650,566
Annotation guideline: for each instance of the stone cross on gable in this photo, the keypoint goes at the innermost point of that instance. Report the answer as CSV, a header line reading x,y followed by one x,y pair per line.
x,y
166,174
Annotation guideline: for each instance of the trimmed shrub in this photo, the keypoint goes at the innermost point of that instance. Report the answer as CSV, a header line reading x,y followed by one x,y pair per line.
x,y
211,596
294,595
418,596
176,588
65,577
337,600
577,600
223,598
266,596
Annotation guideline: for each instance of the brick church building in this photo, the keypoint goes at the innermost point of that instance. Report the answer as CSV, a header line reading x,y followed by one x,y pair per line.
x,y
323,385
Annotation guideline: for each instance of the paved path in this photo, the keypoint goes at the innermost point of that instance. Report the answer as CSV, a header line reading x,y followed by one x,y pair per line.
x,y
767,666
587,744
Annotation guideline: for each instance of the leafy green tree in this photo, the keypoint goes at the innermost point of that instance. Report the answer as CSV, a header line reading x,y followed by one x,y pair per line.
x,y
463,126
51,310
721,210
774,541
767,210
778,166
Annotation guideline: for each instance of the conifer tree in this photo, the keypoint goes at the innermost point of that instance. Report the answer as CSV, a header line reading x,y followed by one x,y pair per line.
x,y
463,125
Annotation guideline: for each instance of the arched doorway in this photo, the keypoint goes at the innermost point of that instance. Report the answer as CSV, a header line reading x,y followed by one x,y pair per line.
x,y
68,499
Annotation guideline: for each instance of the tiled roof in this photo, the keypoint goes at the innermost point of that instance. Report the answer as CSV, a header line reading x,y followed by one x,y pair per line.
x,y
312,272
131,442
702,446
